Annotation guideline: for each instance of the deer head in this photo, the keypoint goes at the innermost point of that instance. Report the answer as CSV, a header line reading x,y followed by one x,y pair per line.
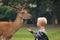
x,y
24,14
20,9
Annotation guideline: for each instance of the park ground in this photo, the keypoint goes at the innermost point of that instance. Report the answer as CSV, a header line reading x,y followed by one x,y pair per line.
x,y
53,32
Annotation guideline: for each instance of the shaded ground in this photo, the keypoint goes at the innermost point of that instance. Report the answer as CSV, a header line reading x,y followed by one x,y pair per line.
x,y
53,26
48,27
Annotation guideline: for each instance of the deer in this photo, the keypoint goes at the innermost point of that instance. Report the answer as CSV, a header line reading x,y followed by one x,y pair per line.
x,y
8,29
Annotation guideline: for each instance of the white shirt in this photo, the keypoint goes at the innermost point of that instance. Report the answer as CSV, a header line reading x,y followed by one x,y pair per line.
x,y
42,30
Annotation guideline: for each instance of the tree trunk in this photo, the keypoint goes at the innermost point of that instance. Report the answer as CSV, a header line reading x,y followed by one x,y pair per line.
x,y
54,20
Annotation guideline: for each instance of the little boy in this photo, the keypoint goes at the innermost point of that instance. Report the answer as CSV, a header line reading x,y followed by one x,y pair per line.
x,y
41,33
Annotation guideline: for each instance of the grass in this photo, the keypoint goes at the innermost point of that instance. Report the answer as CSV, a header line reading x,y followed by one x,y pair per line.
x,y
54,34
23,34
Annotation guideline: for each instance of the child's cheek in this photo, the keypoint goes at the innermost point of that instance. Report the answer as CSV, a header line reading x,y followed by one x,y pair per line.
x,y
37,24
41,24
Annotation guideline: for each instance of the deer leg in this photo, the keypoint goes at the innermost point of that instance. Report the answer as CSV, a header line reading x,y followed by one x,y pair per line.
x,y
4,38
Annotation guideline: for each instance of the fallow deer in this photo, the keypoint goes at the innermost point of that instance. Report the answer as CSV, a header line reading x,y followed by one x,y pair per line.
x,y
8,29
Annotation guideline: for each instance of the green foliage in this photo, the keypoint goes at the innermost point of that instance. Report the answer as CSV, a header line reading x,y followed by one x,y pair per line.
x,y
57,9
34,14
40,9
7,12
5,2
41,6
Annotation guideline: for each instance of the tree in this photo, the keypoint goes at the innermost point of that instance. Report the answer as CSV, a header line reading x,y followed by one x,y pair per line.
x,y
47,8
57,9
7,12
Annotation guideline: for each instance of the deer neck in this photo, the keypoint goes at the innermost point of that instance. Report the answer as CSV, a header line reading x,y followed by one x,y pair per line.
x,y
18,20
15,25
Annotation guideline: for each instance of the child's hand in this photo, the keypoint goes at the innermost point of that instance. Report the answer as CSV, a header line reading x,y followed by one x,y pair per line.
x,y
28,29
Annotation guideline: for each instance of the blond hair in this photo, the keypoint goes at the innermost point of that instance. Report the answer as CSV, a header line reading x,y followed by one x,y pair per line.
x,y
43,19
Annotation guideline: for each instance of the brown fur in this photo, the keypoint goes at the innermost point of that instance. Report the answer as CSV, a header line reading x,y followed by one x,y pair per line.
x,y
7,29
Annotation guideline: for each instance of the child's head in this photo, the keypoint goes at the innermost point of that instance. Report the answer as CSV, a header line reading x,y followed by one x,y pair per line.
x,y
41,21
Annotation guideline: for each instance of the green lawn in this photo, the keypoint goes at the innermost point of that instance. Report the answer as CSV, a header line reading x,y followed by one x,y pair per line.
x,y
23,34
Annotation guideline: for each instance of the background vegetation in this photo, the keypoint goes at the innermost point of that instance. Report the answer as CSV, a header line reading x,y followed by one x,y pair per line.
x,y
53,7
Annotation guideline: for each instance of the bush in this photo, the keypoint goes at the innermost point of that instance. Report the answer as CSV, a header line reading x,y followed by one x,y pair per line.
x,y
7,12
